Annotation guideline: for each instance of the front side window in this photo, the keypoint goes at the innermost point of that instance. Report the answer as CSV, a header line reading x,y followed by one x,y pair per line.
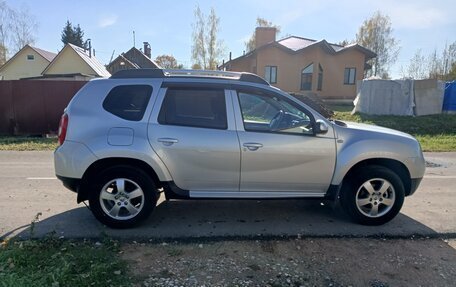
x,y
349,76
267,113
270,74
128,102
306,78
194,108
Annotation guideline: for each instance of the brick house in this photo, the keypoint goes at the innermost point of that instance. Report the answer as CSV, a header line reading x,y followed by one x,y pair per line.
x,y
300,65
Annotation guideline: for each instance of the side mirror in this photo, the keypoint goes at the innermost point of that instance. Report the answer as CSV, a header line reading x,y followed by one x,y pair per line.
x,y
321,127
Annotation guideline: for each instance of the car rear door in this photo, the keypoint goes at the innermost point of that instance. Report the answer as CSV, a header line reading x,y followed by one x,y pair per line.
x,y
194,135
280,159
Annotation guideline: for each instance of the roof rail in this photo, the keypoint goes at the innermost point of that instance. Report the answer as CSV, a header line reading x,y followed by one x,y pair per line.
x,y
160,73
138,73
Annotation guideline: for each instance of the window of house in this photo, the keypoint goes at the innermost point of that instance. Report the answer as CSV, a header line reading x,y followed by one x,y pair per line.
x,y
270,74
128,102
306,78
30,57
320,78
202,108
268,113
349,76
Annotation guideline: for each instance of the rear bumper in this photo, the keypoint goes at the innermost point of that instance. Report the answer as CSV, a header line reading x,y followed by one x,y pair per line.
x,y
70,183
414,183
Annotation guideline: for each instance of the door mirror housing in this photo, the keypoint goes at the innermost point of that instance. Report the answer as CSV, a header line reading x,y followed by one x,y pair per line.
x,y
321,127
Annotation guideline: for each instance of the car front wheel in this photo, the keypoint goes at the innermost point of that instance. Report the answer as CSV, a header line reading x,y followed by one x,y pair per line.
x,y
373,195
123,196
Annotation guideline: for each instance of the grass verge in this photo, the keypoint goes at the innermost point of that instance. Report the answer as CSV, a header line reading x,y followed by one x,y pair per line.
x,y
27,143
54,262
434,132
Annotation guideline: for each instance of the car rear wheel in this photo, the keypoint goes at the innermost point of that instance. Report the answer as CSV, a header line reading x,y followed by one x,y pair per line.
x,y
123,196
373,195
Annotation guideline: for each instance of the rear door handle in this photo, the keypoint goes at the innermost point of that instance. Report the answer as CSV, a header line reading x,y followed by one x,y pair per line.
x,y
167,141
252,146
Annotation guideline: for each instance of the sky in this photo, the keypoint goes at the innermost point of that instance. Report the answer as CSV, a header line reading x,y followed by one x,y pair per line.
x,y
167,25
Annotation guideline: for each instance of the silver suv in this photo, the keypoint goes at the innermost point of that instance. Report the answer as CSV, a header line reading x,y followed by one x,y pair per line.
x,y
212,134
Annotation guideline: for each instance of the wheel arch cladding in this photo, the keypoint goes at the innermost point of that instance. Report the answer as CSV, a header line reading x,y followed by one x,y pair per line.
x,y
396,166
100,165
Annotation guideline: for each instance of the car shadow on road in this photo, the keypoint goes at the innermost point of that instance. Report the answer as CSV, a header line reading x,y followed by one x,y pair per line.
x,y
186,219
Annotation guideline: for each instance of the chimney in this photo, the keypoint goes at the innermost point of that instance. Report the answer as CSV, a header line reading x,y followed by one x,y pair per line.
x,y
264,35
147,50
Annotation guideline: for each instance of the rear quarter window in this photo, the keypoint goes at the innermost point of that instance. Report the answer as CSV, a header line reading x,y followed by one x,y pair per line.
x,y
128,102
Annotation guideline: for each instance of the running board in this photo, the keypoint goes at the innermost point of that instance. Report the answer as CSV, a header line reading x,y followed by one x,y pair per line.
x,y
254,194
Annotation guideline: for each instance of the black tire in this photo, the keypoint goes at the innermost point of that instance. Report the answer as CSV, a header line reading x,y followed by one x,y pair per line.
x,y
364,200
116,185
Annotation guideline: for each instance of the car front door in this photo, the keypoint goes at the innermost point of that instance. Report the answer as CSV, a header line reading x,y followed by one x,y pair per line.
x,y
281,155
194,135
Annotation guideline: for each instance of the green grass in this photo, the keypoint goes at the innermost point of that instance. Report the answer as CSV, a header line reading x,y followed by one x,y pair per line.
x,y
434,132
27,143
61,263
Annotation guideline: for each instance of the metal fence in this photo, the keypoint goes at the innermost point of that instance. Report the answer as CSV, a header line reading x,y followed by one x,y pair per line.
x,y
34,107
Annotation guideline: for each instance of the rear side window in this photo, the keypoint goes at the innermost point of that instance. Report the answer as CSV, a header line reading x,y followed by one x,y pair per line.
x,y
128,102
194,108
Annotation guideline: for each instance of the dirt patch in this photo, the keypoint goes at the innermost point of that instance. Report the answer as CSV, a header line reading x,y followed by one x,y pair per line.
x,y
301,262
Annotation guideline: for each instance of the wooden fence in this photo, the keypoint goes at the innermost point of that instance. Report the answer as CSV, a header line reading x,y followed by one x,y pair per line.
x,y
34,107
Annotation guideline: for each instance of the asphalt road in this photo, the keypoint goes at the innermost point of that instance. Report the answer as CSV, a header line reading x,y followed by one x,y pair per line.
x,y
33,203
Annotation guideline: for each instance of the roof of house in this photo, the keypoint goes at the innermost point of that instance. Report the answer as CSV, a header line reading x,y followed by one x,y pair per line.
x,y
136,63
48,56
122,58
294,44
93,63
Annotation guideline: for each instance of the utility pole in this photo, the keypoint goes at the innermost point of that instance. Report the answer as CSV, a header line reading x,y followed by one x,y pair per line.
x,y
134,39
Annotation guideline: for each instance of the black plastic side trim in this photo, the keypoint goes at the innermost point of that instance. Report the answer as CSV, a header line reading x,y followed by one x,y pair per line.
x,y
172,191
414,183
333,192
70,183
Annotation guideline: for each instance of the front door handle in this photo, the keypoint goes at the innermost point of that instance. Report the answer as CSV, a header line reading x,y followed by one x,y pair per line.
x,y
167,141
252,146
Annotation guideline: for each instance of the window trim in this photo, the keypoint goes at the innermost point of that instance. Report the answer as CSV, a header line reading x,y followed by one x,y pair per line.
x,y
270,74
308,75
320,78
30,57
186,87
349,73
259,91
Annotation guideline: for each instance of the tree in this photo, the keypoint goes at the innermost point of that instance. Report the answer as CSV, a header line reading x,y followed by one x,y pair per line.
x,y
2,55
17,28
417,68
206,48
23,29
433,66
376,34
345,42
73,35
260,22
168,62
452,73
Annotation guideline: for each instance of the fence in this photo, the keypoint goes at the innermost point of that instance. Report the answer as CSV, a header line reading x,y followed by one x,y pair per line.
x,y
34,107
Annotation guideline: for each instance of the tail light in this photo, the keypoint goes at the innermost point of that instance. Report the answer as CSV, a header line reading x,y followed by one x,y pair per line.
x,y
63,125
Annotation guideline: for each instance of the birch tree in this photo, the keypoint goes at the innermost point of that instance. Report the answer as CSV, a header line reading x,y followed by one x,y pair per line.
x,y
376,34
